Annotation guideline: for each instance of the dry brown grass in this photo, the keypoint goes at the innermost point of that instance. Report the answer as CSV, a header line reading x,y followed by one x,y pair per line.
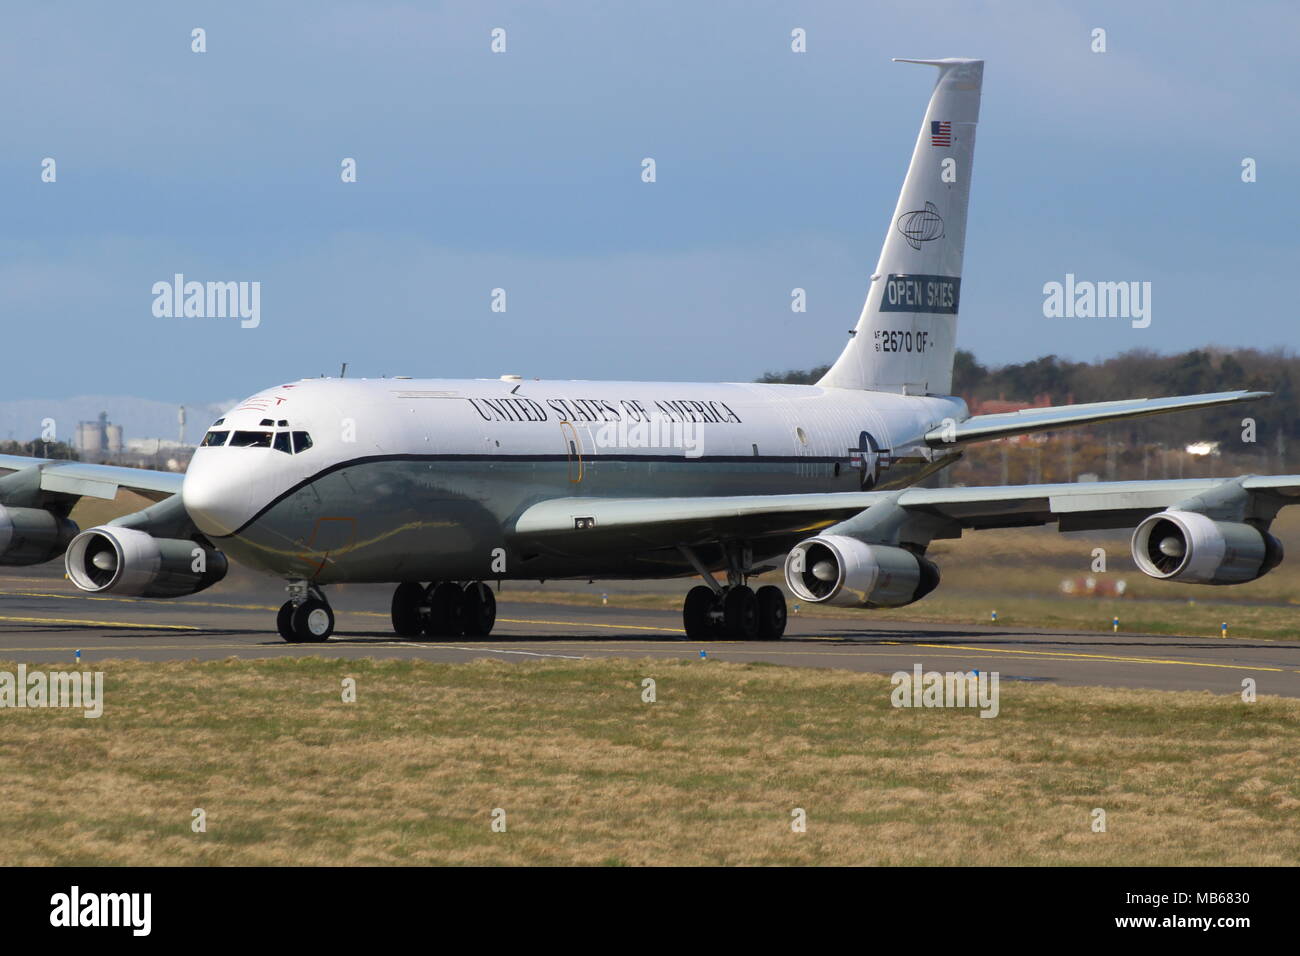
x,y
589,774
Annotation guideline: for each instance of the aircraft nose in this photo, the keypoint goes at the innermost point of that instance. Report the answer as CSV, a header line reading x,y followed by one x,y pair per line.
x,y
217,498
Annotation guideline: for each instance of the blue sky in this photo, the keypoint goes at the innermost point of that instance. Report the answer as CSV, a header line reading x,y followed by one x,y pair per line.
x,y
522,171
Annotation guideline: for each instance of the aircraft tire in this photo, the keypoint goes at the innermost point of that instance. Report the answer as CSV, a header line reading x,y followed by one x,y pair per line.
x,y
284,622
695,613
446,610
771,613
480,609
740,614
312,622
408,598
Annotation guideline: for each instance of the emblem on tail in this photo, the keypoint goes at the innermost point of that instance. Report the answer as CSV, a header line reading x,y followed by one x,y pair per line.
x,y
921,225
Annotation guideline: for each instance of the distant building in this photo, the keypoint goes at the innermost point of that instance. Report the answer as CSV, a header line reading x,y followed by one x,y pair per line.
x,y
100,439
92,437
1000,405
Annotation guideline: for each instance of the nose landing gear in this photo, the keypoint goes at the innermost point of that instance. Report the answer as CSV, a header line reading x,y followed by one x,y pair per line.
x,y
306,618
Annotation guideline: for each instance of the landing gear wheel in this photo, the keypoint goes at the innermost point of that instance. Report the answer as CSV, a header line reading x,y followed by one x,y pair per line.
x,y
312,622
740,614
771,613
695,613
479,612
446,610
408,599
284,622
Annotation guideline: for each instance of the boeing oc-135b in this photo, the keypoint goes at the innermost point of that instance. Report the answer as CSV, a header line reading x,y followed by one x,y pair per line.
x,y
443,486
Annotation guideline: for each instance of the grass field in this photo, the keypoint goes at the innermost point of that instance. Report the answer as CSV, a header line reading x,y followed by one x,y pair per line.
x,y
588,773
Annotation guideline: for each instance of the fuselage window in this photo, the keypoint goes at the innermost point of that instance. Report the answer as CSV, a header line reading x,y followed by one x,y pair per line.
x,y
281,443
301,442
250,440
213,438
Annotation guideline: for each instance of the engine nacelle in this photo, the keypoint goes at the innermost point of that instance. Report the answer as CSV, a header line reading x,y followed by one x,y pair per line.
x,y
834,569
33,535
1187,546
127,561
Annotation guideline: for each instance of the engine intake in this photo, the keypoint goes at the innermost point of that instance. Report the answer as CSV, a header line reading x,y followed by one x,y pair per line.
x,y
127,561
33,535
1187,546
846,572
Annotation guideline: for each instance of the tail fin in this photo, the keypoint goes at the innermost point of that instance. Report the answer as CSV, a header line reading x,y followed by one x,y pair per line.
x,y
906,336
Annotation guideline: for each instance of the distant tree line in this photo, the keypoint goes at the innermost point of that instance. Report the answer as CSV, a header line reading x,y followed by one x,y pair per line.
x,y
39,449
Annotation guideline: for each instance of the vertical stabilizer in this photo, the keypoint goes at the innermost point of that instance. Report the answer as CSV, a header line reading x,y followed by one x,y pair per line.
x,y
906,337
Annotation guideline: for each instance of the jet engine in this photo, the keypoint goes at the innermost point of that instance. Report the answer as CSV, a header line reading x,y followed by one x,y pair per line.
x,y
127,561
32,535
834,569
1187,546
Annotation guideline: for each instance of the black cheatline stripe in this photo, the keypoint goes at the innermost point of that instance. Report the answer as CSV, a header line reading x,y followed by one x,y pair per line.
x,y
373,459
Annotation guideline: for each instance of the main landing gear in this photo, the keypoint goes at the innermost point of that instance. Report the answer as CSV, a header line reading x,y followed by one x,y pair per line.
x,y
444,609
734,611
306,618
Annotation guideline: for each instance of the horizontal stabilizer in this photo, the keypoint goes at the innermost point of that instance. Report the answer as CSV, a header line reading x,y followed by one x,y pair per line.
x,y
1028,420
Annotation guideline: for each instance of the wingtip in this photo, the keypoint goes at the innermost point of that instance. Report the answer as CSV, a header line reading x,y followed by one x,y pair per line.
x,y
945,61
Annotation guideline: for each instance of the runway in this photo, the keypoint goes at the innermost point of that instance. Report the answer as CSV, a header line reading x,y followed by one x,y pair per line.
x,y
43,618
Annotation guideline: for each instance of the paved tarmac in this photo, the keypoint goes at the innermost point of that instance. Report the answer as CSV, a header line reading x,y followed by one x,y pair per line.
x,y
43,618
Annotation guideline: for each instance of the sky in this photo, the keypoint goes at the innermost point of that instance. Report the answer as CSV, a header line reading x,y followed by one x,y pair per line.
x,y
522,171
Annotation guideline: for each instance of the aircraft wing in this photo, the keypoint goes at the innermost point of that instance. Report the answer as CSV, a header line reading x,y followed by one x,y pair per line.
x,y
84,479
583,525
1025,421
665,522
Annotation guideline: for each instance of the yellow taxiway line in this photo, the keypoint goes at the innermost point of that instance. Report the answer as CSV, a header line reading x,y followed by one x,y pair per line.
x,y
68,620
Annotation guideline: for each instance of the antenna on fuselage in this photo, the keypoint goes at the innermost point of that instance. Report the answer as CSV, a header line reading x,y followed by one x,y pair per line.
x,y
343,371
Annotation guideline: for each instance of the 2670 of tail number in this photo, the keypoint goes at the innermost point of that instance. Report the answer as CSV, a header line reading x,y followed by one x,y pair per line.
x,y
901,341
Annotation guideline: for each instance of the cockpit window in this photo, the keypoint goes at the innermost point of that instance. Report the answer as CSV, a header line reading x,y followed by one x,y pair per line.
x,y
250,440
301,442
219,421
213,438
281,443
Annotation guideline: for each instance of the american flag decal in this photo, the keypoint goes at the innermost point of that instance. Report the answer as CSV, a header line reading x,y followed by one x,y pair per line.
x,y
940,133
